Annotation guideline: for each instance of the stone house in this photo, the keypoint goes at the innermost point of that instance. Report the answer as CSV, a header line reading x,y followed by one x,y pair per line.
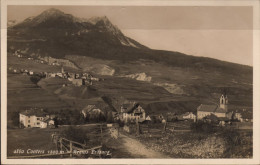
x,y
78,82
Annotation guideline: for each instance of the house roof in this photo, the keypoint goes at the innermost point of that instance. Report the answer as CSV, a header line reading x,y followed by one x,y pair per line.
x,y
207,108
89,108
34,112
142,120
47,119
130,107
127,106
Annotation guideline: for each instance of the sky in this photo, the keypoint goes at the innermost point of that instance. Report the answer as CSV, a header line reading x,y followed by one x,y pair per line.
x,y
221,32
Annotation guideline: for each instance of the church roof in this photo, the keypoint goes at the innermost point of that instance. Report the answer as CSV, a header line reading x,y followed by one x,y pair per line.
x,y
211,108
207,108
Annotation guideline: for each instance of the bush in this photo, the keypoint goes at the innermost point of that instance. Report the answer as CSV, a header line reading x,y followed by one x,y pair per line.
x,y
14,116
75,134
35,79
203,127
232,137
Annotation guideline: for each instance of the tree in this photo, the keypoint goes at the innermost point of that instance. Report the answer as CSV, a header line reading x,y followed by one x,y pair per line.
x,y
109,117
75,134
35,79
14,116
56,122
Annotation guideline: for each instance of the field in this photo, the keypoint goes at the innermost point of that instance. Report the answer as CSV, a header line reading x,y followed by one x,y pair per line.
x,y
22,94
34,139
40,139
181,142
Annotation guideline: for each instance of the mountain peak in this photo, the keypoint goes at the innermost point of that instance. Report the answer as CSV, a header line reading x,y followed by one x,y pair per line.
x,y
95,20
71,25
52,11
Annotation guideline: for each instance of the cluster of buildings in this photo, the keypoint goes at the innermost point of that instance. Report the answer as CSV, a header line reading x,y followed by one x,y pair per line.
x,y
220,114
133,112
22,71
77,79
18,54
36,118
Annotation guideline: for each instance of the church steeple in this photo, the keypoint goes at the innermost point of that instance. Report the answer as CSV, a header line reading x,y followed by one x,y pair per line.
x,y
223,102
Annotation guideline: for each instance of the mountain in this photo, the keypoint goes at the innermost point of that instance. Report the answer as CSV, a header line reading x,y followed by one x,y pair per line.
x,y
57,34
11,23
163,81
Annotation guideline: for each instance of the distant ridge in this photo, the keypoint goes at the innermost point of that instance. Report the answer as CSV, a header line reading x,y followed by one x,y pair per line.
x,y
59,34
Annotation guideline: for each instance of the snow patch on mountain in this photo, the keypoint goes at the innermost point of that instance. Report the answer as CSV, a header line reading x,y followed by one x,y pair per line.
x,y
139,76
100,69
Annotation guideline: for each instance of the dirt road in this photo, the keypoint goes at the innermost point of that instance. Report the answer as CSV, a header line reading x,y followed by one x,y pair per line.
x,y
139,150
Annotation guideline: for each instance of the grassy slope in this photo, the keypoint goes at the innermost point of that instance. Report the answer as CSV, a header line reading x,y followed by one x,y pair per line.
x,y
35,139
200,86
40,139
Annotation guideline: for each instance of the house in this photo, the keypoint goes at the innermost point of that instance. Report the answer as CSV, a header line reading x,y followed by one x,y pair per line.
x,y
77,76
148,118
220,110
92,112
32,117
47,122
188,115
157,118
50,75
30,72
72,75
238,117
78,82
132,112
246,116
87,82
59,74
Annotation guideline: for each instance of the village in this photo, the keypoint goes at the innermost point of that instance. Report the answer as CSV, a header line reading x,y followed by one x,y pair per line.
x,y
127,117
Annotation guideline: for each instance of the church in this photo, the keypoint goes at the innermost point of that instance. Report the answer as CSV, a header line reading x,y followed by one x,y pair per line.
x,y
220,110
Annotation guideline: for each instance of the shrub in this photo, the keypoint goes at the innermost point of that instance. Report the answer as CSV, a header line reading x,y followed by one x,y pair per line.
x,y
203,127
35,79
232,136
75,134
14,116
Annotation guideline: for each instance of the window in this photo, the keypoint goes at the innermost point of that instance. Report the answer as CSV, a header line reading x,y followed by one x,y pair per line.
x,y
28,121
38,118
38,123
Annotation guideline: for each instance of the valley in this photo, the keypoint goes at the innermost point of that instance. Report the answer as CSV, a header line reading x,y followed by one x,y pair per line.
x,y
89,73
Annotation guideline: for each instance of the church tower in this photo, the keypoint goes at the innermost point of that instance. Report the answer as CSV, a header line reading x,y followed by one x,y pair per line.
x,y
223,102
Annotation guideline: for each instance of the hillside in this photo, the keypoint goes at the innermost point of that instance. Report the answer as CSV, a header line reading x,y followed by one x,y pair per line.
x,y
161,81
